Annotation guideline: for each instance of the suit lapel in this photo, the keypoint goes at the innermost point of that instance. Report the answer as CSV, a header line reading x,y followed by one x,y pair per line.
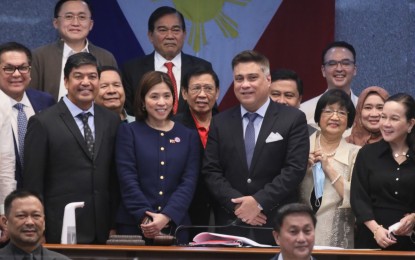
x,y
269,120
69,121
99,129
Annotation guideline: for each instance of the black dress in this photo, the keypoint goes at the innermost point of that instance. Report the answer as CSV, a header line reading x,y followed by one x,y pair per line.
x,y
382,190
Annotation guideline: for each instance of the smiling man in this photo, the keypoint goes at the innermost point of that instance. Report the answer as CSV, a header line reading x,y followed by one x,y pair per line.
x,y
70,156
338,68
25,222
256,153
167,32
73,20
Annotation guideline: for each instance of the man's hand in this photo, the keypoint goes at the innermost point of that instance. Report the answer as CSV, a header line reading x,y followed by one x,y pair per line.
x,y
248,211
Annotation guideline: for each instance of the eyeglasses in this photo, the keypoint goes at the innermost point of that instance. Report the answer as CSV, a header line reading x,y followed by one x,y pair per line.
x,y
12,69
71,17
329,113
346,63
196,89
175,30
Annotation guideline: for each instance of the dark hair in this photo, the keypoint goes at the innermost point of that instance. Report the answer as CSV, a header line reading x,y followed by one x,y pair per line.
x,y
15,46
284,74
149,80
108,68
293,208
59,4
339,44
334,96
197,71
252,56
19,194
77,60
162,11
408,103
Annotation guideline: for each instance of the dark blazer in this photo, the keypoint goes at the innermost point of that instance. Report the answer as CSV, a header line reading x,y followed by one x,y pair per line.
x,y
47,65
12,252
134,70
277,167
40,101
58,166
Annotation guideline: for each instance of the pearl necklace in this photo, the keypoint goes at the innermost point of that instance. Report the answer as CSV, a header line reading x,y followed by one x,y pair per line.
x,y
326,154
396,155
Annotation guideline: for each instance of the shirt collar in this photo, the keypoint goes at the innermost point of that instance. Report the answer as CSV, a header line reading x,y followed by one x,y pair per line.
x,y
25,101
75,110
261,111
68,51
160,60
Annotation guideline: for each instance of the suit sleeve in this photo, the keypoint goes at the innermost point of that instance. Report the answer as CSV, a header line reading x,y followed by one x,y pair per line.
x,y
35,155
127,82
360,190
213,173
179,202
285,183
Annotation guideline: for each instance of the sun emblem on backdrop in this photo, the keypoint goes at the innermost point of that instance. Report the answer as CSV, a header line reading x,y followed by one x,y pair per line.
x,y
201,11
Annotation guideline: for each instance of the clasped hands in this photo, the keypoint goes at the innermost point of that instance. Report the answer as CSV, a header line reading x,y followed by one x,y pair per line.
x,y
248,211
153,223
384,238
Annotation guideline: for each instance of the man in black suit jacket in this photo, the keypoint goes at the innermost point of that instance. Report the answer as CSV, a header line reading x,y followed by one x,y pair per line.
x,y
67,160
276,149
16,59
167,32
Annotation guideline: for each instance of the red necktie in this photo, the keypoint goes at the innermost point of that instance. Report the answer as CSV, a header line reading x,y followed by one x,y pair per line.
x,y
169,66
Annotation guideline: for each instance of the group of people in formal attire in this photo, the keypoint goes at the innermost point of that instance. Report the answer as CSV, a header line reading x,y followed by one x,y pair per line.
x,y
68,135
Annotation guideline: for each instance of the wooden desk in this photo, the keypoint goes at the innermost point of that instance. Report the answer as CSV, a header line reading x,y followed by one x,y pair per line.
x,y
103,252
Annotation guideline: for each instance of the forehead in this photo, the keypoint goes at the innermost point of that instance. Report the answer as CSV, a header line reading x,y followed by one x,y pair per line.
x,y
203,78
110,75
14,57
338,53
245,68
297,219
74,7
373,98
287,85
159,88
168,20
394,107
26,204
84,69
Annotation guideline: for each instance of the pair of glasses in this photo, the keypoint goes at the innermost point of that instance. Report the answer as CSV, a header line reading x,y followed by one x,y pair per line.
x,y
340,113
208,89
11,69
346,63
175,30
71,17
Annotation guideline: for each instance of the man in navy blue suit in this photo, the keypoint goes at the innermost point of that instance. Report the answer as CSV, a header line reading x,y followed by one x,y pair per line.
x,y
15,66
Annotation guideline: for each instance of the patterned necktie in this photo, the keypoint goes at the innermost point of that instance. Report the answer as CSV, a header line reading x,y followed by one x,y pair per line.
x,y
21,128
89,138
250,137
169,66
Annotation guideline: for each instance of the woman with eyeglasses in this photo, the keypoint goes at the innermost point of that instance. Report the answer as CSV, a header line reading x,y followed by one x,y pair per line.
x,y
326,186
366,126
382,191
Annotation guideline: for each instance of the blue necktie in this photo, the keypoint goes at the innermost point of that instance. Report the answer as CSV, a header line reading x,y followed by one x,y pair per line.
x,y
21,129
89,138
250,137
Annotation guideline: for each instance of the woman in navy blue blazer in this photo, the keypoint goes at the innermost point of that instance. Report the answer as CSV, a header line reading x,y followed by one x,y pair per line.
x,y
157,163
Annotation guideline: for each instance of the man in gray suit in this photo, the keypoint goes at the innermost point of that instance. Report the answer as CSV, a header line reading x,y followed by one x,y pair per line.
x,y
256,154
69,150
25,222
73,21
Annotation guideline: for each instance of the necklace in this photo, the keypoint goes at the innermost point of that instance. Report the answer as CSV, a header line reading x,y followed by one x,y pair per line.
x,y
326,154
396,155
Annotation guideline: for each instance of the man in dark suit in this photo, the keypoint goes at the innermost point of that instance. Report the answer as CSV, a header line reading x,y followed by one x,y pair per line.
x,y
15,60
25,221
200,89
256,154
70,156
294,232
73,21
167,32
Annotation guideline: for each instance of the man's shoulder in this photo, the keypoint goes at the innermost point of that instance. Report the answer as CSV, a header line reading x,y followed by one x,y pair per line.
x,y
37,94
52,255
137,61
98,51
194,59
46,49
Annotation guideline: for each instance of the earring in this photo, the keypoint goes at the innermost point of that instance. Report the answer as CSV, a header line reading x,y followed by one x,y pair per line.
x,y
144,108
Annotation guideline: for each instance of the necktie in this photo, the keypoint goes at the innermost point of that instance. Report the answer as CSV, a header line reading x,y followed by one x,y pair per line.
x,y
89,138
169,66
250,137
21,128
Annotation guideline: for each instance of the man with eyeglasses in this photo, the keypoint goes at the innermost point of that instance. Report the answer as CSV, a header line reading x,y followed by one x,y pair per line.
x,y
22,103
73,21
200,89
339,69
167,32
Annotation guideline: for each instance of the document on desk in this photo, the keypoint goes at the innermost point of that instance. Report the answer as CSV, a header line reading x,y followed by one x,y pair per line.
x,y
216,239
